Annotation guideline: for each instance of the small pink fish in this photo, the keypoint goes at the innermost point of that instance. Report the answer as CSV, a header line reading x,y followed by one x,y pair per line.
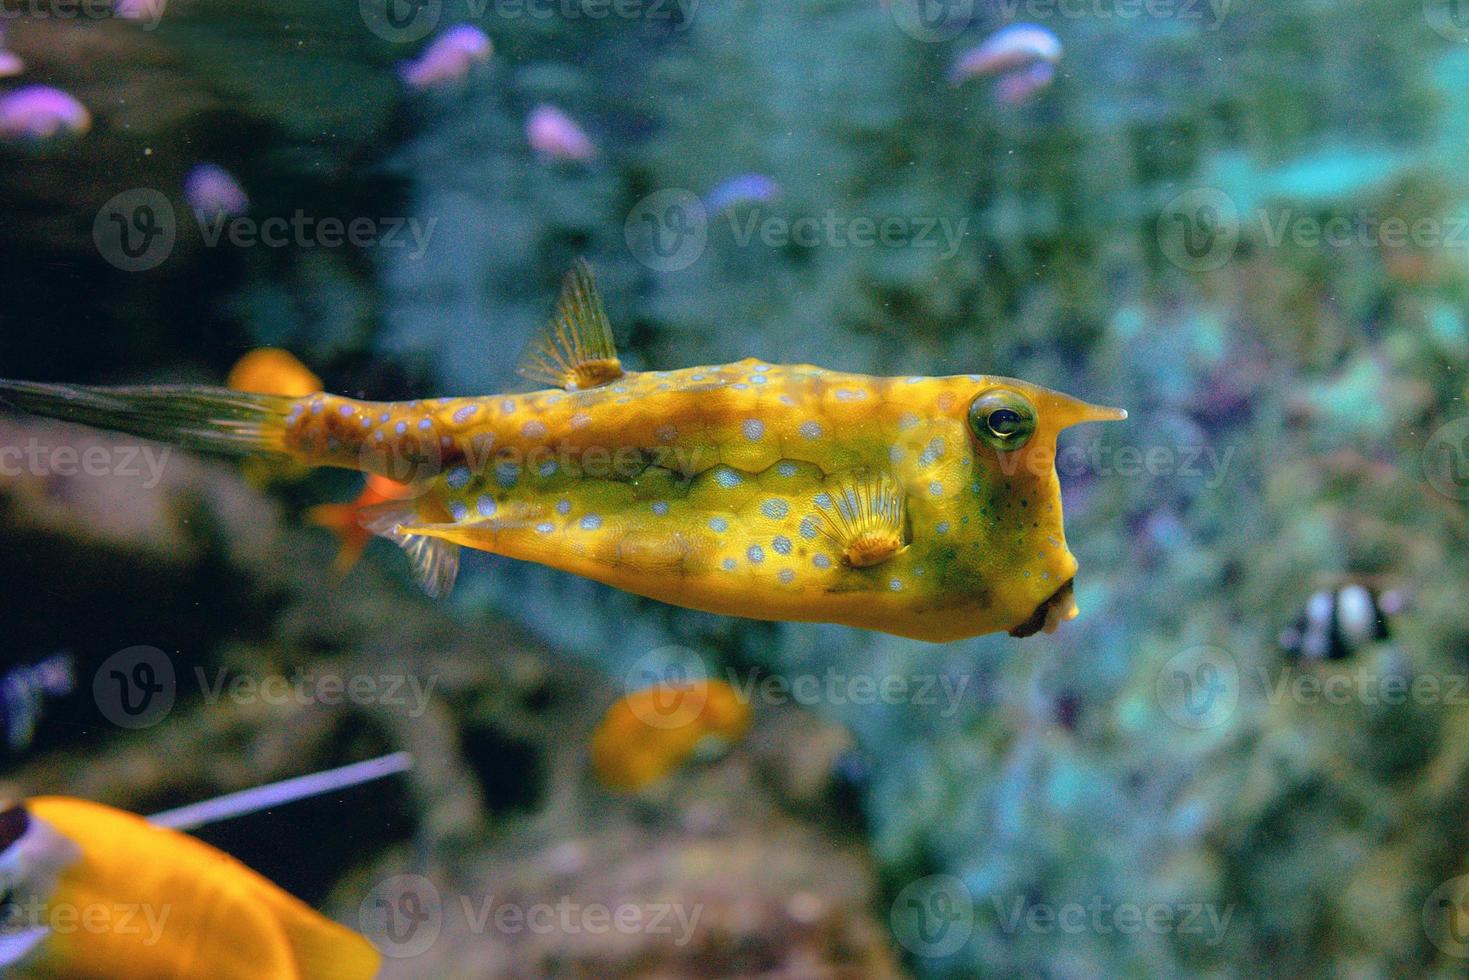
x,y
1019,86
448,59
39,112
1016,46
214,191
146,10
554,135
10,64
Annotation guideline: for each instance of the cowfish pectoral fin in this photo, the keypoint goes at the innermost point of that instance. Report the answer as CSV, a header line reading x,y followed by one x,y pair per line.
x,y
435,561
867,517
575,350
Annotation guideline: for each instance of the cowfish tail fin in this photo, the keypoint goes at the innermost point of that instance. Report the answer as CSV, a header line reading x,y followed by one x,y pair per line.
x,y
435,561
216,420
575,351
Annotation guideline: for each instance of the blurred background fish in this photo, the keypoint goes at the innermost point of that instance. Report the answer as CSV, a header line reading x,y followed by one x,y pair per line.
x,y
448,59
25,690
1338,622
212,191
160,904
556,136
649,733
37,114
741,189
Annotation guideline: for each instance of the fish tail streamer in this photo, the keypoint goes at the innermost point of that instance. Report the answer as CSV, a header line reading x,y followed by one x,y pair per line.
x,y
217,420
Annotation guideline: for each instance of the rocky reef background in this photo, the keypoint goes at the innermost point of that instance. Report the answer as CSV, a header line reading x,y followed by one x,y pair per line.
x,y
1156,790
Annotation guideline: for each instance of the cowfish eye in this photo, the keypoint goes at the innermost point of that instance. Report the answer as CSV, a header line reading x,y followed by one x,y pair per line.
x,y
1002,419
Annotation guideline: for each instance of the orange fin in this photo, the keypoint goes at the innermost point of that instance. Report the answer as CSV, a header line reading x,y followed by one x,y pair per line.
x,y
867,519
352,538
575,350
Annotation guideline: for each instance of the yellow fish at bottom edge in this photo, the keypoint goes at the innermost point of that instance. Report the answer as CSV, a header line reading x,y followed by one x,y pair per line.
x,y
924,507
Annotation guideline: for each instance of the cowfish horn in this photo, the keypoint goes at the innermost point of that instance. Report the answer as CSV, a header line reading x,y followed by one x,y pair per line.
x,y
1062,411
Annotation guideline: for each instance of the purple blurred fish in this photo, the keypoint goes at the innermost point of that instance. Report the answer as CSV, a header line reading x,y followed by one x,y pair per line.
x,y
1016,46
1019,86
40,112
448,59
10,64
23,691
213,190
150,11
554,135
744,189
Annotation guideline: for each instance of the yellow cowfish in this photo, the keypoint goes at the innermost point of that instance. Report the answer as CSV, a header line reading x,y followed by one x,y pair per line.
x,y
95,893
924,507
651,732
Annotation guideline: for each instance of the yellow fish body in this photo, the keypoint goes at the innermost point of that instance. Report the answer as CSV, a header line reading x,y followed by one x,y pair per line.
x,y
651,732
97,893
923,507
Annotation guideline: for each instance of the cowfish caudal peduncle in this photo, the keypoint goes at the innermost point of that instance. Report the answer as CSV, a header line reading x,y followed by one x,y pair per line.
x,y
924,507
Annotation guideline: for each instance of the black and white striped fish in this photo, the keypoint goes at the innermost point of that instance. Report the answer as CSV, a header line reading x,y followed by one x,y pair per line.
x,y
1337,622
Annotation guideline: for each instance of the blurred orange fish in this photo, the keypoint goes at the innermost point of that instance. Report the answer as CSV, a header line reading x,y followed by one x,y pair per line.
x,y
272,371
96,893
345,520
651,732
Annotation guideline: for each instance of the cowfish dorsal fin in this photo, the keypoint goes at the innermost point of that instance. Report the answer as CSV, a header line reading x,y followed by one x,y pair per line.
x,y
575,350
435,561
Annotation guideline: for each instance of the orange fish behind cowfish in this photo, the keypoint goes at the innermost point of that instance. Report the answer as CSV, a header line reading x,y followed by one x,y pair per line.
x,y
345,520
272,371
651,732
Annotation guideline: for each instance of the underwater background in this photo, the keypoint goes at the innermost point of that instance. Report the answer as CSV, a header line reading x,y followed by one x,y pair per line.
x,y
1243,221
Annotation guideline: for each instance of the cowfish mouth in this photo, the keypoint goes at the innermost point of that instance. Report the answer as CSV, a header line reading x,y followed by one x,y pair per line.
x,y
1051,613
